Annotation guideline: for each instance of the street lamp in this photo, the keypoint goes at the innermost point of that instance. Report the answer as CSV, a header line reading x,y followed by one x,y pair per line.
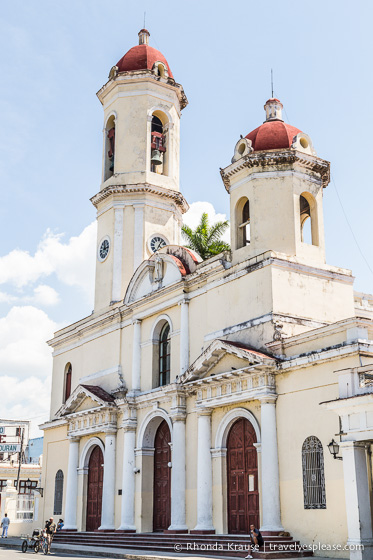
x,y
38,489
333,447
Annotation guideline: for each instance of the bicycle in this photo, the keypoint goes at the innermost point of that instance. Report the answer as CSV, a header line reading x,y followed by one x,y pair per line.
x,y
44,543
31,542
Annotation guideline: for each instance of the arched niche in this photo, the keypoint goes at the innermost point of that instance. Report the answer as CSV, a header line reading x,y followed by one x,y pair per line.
x,y
309,230
242,223
109,146
159,142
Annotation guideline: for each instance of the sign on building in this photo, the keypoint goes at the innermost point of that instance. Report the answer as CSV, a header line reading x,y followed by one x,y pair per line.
x,y
10,447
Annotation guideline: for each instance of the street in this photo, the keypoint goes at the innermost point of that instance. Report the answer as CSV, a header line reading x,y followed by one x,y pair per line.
x,y
8,554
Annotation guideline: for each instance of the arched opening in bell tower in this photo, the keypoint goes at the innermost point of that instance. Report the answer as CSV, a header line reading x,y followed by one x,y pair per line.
x,y
243,232
158,143
109,162
308,219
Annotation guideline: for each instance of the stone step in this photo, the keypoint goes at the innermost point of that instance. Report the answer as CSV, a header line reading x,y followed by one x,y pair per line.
x,y
207,545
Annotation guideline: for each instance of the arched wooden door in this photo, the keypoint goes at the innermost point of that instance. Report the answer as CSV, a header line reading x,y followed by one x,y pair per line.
x,y
162,479
242,478
94,491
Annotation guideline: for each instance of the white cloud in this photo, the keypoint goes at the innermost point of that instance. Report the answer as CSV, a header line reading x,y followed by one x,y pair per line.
x,y
27,399
193,216
7,298
23,348
45,295
73,262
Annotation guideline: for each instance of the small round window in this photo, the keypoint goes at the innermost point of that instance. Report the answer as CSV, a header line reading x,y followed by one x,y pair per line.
x,y
303,143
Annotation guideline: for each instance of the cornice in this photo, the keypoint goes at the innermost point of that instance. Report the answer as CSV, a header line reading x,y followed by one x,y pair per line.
x,y
277,158
111,190
358,348
141,76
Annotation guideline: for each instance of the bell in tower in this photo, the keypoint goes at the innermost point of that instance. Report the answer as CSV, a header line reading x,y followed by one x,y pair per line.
x,y
139,198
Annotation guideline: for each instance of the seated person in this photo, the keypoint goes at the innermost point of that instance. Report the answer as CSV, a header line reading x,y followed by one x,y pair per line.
x,y
256,539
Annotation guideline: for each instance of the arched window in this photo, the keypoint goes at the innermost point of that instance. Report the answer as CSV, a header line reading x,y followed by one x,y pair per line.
x,y
308,219
58,493
243,223
158,141
313,474
164,355
67,387
109,148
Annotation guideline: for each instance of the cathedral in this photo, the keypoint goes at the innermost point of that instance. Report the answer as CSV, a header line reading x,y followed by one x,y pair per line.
x,y
202,397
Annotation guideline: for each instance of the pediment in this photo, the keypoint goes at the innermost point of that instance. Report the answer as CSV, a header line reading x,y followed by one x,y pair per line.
x,y
223,356
86,397
86,404
167,266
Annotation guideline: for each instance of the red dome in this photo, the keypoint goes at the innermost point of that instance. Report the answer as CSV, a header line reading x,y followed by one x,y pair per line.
x,y
141,57
272,135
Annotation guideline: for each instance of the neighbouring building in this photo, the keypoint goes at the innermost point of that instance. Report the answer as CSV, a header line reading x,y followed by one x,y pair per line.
x,y
205,396
34,450
18,476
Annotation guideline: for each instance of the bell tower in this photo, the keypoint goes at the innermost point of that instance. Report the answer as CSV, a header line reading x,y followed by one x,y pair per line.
x,y
276,183
139,205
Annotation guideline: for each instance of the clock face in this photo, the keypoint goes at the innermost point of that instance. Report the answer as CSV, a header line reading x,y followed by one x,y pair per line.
x,y
104,249
156,243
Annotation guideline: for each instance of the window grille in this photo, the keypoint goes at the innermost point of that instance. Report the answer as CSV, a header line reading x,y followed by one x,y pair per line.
x,y
313,474
25,507
58,493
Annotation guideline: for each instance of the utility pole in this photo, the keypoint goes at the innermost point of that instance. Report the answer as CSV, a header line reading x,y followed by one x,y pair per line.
x,y
20,458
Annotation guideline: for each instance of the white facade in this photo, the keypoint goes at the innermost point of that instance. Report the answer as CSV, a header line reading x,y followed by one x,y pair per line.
x,y
186,366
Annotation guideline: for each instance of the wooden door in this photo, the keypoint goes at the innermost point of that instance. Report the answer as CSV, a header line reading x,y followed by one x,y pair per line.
x,y
242,478
94,491
162,479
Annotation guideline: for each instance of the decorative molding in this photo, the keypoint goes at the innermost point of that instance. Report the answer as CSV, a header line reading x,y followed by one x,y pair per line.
x,y
141,76
93,422
216,351
99,374
226,423
111,190
269,158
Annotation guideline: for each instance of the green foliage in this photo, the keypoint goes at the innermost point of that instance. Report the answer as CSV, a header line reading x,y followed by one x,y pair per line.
x,y
206,239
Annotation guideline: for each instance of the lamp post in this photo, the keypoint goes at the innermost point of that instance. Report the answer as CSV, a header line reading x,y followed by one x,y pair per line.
x,y
333,447
38,489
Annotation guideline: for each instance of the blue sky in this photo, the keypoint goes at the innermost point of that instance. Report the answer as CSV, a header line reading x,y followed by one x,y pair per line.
x,y
54,58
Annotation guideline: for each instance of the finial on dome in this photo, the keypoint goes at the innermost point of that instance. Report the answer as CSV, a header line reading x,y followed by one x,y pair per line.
x,y
273,109
144,37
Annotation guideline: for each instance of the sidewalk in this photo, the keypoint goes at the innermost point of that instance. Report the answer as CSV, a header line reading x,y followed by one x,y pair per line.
x,y
102,552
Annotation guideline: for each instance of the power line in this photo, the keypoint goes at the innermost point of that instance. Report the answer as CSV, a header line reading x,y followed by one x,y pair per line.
x,y
349,225
345,214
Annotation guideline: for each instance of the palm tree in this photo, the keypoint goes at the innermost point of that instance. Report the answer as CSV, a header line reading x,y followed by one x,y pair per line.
x,y
206,239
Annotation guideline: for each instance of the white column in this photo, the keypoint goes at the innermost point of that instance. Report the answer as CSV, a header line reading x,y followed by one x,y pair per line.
x,y
108,488
138,239
204,473
117,254
178,474
184,336
271,513
357,495
136,356
72,485
128,479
